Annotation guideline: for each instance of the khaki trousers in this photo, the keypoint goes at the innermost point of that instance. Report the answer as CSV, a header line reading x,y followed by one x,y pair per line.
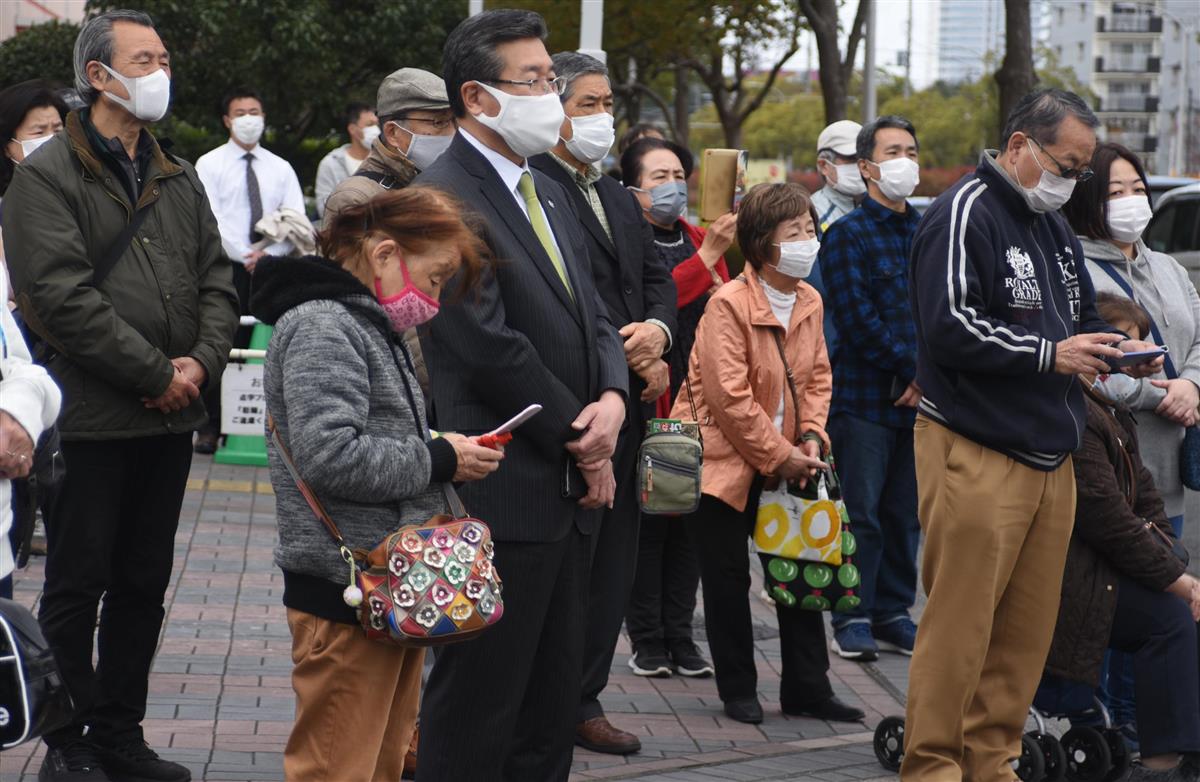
x,y
356,703
996,535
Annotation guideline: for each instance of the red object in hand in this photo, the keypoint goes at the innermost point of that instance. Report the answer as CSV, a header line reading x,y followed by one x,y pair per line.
x,y
494,441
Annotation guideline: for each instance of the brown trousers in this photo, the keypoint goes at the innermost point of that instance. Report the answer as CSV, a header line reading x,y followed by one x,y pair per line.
x,y
356,703
996,535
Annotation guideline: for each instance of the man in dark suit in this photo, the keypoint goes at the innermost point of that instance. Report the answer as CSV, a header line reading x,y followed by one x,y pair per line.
x,y
640,295
503,706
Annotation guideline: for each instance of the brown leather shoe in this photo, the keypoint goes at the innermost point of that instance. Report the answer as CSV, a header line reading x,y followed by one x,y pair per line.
x,y
410,757
599,735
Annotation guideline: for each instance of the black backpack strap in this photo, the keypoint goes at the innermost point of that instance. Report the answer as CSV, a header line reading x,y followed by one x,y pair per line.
x,y
386,181
118,247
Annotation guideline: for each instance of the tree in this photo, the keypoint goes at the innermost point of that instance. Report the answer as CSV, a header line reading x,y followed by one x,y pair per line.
x,y
1016,76
39,52
306,57
738,31
835,69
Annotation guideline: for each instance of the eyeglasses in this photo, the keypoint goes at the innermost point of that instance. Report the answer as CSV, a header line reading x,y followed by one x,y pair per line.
x,y
1078,174
439,124
535,86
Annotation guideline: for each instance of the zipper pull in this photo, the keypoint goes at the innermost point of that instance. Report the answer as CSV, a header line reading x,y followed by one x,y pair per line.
x,y
649,474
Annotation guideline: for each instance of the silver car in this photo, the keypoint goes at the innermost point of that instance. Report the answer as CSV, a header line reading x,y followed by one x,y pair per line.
x,y
1175,228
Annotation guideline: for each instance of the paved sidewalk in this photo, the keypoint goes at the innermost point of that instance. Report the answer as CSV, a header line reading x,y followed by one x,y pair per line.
x,y
221,699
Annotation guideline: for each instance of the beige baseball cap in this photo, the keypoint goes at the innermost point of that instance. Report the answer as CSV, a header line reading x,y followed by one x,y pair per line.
x,y
841,137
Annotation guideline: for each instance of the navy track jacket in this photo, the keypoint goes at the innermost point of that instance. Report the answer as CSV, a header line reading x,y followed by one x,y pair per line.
x,y
994,286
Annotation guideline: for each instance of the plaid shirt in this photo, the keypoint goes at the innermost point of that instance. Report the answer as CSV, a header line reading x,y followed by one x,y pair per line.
x,y
864,261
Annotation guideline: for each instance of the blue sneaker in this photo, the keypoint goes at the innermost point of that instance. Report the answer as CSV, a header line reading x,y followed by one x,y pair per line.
x,y
854,642
899,635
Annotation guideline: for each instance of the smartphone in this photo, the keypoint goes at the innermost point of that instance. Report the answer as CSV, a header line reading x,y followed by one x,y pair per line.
x,y
1133,358
574,487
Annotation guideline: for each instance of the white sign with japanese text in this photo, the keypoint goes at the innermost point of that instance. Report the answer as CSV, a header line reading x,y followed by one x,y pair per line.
x,y
243,405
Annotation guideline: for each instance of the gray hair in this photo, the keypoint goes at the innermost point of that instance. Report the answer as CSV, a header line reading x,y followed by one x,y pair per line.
x,y
829,156
95,42
1040,113
569,66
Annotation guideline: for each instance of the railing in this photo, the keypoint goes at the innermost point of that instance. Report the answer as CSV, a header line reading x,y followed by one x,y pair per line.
x,y
1129,23
1128,63
1130,102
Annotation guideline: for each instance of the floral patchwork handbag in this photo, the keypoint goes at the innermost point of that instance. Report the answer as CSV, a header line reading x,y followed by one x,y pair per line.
x,y
422,585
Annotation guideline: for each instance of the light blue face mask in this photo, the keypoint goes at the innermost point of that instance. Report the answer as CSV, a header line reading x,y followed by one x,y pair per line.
x,y
667,201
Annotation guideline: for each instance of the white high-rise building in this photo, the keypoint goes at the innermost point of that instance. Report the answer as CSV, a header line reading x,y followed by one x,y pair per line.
x,y
1141,59
17,15
968,31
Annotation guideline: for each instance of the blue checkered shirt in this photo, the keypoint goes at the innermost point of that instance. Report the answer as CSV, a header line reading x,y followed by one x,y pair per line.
x,y
864,262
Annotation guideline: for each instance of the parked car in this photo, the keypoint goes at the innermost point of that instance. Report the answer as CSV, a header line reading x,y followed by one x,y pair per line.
x,y
1175,227
1160,184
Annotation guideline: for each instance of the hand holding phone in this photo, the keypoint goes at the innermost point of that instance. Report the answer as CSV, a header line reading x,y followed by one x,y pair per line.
x,y
503,434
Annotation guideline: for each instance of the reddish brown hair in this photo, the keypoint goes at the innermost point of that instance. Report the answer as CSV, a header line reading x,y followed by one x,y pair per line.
x,y
415,218
762,210
1114,308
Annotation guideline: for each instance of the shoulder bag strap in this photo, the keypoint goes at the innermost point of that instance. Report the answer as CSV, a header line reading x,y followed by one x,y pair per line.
x,y
1168,364
386,181
309,496
101,270
791,380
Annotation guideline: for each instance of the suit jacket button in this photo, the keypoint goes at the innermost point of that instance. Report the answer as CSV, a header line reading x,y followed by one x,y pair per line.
x,y
628,290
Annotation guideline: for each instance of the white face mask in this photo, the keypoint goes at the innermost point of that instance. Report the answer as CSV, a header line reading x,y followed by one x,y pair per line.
x,y
370,133
529,124
1128,216
796,259
149,96
1051,190
898,178
247,128
423,150
849,180
30,144
591,137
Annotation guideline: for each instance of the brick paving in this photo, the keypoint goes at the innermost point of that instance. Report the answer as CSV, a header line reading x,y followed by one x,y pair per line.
x,y
221,699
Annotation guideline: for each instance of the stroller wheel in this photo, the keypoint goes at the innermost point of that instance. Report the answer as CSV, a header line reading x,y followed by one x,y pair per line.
x,y
1118,750
1052,753
889,742
1032,763
1088,757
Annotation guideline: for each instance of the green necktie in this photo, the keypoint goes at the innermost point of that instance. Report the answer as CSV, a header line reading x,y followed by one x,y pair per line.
x,y
537,218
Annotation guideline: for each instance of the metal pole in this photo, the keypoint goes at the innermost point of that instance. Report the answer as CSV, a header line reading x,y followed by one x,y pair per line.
x,y
591,29
1184,106
474,7
908,53
869,65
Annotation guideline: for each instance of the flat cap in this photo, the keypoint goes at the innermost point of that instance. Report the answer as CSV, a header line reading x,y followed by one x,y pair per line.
x,y
408,89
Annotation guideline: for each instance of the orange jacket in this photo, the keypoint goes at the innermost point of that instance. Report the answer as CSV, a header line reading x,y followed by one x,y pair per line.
x,y
738,379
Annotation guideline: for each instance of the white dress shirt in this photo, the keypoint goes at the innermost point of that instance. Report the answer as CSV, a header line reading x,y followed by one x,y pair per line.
x,y
223,173
510,174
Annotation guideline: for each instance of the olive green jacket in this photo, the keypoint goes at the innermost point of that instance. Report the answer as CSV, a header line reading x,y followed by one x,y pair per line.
x,y
169,295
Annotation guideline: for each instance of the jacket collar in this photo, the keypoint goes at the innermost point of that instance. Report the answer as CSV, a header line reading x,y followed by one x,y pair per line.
x,y
761,313
385,160
161,166
1004,186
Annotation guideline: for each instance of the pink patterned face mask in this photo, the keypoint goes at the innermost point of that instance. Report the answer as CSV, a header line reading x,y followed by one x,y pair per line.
x,y
410,307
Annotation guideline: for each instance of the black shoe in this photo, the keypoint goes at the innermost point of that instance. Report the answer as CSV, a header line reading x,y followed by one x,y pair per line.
x,y
830,710
747,710
206,443
136,762
687,659
75,761
649,658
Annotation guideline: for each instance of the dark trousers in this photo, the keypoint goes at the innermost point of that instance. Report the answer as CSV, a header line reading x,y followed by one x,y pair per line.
x,y
614,559
663,600
111,534
503,706
1157,630
1117,685
241,339
878,472
722,535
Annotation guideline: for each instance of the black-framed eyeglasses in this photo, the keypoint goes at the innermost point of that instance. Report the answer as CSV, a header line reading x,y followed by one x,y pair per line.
x,y
536,86
1078,174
